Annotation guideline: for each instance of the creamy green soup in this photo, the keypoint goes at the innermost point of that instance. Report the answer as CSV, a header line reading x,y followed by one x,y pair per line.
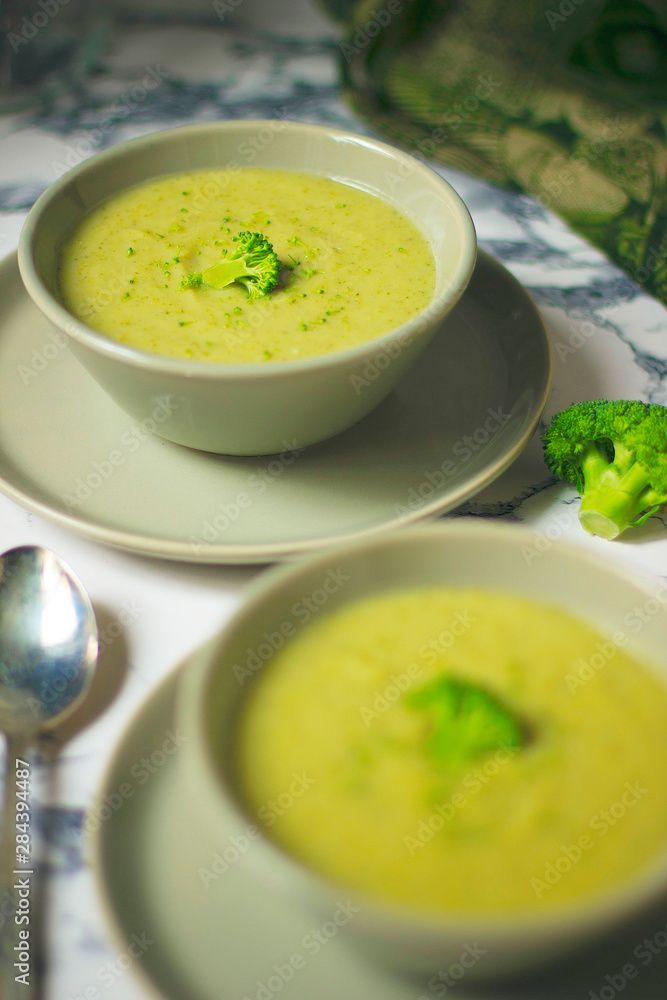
x,y
352,267
386,803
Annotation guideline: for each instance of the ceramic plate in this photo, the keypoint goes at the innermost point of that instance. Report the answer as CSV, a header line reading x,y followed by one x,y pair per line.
x,y
235,939
454,423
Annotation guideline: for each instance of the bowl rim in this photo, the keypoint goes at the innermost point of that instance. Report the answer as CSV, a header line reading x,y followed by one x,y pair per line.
x,y
600,910
114,350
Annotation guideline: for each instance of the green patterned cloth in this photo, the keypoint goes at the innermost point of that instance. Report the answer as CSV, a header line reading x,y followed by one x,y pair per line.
x,y
565,100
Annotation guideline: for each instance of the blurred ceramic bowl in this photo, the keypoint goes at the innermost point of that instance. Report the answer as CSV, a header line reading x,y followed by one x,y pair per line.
x,y
251,409
460,555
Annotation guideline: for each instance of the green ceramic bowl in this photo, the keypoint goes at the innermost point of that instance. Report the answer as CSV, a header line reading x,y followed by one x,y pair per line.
x,y
466,555
251,409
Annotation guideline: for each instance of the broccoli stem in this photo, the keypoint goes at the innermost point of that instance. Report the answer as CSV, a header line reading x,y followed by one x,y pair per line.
x,y
594,464
224,273
616,502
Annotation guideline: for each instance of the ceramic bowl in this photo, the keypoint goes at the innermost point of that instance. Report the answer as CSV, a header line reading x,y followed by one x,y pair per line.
x,y
491,556
251,409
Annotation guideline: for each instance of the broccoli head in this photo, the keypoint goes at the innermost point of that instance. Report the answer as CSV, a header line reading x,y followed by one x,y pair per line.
x,y
192,280
253,263
615,452
466,720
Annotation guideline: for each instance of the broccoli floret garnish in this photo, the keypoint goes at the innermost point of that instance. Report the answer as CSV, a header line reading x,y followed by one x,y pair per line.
x,y
192,280
615,452
465,720
253,263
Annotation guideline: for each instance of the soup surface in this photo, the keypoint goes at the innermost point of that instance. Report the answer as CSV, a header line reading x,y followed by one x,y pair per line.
x,y
349,759
352,267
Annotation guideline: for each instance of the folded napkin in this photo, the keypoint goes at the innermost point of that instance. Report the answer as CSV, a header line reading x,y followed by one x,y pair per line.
x,y
564,99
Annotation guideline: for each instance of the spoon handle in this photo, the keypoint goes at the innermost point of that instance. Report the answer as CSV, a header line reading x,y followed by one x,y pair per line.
x,y
17,937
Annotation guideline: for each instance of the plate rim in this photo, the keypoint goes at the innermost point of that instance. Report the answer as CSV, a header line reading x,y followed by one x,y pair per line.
x,y
214,553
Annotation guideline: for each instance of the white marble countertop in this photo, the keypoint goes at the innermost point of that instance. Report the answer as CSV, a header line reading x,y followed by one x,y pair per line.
x,y
609,339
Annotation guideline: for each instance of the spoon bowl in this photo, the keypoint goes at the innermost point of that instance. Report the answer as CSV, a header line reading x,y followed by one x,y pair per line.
x,y
48,641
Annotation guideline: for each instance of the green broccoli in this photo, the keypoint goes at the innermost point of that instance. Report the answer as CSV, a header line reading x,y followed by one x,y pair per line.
x,y
192,280
465,720
615,452
253,263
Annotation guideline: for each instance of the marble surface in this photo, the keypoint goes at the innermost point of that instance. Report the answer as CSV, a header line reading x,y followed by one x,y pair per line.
x,y
609,339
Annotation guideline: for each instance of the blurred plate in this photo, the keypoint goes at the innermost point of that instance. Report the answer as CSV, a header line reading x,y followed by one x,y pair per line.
x,y
453,424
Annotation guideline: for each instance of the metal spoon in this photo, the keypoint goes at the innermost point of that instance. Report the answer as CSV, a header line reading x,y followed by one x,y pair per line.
x,y
48,654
